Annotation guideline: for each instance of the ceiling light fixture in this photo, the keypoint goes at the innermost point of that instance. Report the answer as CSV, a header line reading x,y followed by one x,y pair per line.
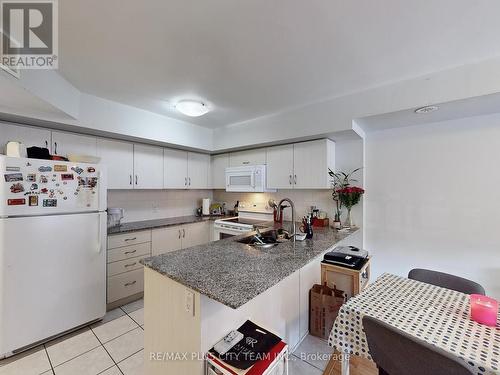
x,y
427,109
192,108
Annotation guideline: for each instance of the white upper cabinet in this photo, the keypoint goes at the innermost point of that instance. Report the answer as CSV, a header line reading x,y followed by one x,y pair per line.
x,y
311,161
218,165
198,168
28,135
185,170
301,165
280,167
175,172
64,144
118,157
248,157
148,167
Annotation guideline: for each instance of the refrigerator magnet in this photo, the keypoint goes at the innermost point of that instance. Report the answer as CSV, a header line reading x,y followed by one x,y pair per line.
x,y
50,203
45,169
44,191
17,188
90,169
44,180
12,177
34,187
31,177
60,168
77,170
67,176
13,169
33,200
16,202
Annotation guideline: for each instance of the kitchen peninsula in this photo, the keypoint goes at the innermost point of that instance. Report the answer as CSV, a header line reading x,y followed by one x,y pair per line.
x,y
193,297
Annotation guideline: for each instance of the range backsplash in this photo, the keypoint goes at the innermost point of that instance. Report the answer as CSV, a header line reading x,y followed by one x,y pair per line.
x,y
303,200
156,204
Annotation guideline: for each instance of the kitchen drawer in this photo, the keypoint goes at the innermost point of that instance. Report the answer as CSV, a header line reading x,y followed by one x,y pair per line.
x,y
125,284
127,252
132,238
126,265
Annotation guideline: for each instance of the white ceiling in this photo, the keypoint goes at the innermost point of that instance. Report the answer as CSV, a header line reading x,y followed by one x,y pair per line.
x,y
251,58
481,105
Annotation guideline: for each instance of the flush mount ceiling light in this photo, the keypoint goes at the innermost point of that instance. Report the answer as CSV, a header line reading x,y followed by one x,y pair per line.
x,y
427,109
192,108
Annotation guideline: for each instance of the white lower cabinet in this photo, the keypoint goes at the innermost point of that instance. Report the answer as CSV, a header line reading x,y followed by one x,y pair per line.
x,y
164,240
125,273
195,234
125,285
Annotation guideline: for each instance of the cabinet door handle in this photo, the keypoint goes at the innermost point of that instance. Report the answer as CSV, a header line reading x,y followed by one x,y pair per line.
x,y
136,179
246,162
130,252
189,181
290,179
131,264
185,181
46,144
180,234
55,148
130,179
295,179
130,239
131,283
183,233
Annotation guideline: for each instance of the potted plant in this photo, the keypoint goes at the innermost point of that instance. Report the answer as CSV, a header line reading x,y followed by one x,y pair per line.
x,y
344,195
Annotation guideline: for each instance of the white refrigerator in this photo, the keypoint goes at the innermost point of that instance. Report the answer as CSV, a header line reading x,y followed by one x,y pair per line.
x,y
52,249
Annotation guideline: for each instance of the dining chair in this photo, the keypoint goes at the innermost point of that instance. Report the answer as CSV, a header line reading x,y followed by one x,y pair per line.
x,y
445,280
397,353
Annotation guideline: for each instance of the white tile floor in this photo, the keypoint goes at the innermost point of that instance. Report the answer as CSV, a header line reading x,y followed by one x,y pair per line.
x,y
115,346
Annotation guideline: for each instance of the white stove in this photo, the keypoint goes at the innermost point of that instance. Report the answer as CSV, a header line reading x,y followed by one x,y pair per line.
x,y
249,217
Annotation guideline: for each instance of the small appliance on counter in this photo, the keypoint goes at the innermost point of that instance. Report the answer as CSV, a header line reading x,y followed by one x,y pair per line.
x,y
347,256
115,215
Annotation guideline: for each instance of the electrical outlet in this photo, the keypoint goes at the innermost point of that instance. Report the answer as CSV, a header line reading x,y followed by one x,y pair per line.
x,y
189,296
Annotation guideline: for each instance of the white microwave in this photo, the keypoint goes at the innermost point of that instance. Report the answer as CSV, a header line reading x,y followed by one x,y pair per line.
x,y
247,179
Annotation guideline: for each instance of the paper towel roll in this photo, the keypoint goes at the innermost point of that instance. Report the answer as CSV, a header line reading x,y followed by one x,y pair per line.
x,y
206,206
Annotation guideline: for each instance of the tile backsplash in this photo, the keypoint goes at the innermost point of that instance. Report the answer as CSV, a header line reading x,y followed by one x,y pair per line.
x,y
302,199
156,204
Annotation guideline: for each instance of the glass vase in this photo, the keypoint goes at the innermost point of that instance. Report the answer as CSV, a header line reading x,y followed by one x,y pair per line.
x,y
348,220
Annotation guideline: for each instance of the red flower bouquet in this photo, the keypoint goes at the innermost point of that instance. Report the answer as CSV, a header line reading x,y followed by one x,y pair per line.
x,y
350,195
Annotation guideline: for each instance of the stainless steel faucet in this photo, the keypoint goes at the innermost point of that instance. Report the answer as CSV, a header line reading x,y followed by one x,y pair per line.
x,y
294,225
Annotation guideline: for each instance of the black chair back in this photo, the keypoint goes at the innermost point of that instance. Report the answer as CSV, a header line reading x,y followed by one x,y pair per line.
x,y
445,280
397,353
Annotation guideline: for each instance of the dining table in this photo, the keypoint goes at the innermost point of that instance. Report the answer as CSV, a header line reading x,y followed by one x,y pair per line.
x,y
435,315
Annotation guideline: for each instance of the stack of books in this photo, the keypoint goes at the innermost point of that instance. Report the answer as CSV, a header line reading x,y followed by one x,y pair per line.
x,y
250,350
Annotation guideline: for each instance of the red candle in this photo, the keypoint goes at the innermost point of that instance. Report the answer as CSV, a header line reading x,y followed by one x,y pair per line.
x,y
483,309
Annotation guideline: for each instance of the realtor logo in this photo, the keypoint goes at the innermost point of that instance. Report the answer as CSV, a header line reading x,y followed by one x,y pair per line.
x,y
29,34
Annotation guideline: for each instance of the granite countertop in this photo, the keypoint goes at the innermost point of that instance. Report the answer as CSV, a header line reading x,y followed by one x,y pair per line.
x,y
159,223
234,273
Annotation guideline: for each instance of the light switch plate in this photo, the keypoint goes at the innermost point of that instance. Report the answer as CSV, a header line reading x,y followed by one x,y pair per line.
x,y
189,302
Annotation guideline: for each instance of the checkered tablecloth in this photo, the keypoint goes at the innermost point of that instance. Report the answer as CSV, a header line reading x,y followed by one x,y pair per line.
x,y
436,315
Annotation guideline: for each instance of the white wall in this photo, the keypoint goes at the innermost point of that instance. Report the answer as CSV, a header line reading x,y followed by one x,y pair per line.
x,y
156,204
433,199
